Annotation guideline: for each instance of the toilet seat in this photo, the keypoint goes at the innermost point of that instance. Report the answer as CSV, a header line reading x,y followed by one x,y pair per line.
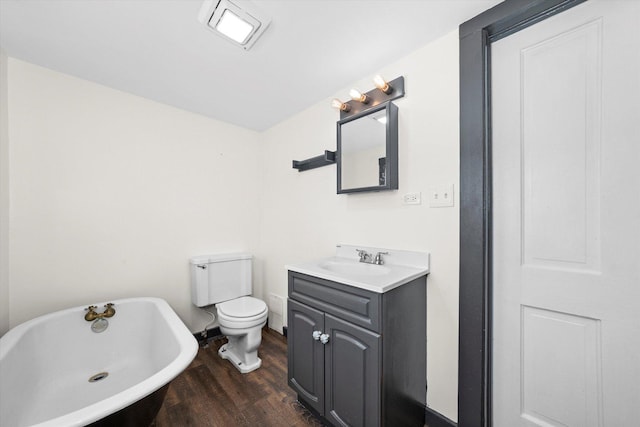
x,y
242,307
242,312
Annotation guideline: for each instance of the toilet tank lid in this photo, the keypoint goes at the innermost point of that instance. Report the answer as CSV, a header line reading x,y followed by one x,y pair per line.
x,y
206,259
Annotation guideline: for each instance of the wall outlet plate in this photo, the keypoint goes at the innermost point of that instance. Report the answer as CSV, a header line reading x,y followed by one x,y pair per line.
x,y
412,198
441,196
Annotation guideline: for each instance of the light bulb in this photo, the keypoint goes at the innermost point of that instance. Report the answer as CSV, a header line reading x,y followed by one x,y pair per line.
x,y
382,84
357,96
336,103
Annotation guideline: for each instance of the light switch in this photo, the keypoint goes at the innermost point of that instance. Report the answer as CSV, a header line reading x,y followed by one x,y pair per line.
x,y
441,196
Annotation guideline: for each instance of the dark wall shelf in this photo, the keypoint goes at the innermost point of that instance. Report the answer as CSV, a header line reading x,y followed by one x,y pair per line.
x,y
329,157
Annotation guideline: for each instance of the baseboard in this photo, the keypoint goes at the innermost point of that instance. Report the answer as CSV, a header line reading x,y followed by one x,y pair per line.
x,y
211,334
436,419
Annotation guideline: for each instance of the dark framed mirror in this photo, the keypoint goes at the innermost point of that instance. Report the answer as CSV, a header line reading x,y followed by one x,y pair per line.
x,y
367,154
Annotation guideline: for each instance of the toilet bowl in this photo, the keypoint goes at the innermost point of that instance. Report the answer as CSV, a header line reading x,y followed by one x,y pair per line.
x,y
242,320
225,280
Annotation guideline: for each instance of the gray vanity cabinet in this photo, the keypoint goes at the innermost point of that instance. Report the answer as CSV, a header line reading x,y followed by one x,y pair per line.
x,y
355,357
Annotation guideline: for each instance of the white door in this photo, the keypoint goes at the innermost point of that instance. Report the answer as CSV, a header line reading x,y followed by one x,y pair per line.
x,y
566,220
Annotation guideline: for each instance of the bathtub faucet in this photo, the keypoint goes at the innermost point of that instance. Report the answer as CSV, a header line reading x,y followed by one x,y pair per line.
x,y
92,315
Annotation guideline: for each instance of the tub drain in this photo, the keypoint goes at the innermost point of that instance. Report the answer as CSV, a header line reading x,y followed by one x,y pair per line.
x,y
98,377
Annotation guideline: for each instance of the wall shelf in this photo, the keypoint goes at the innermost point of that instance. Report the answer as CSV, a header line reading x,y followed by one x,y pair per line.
x,y
328,158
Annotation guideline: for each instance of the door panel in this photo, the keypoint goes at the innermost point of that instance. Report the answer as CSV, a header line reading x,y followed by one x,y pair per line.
x,y
561,209
566,219
305,354
352,374
562,350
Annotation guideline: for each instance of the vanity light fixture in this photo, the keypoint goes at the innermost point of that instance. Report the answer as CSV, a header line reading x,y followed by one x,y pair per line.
x,y
382,84
241,26
342,106
359,102
356,95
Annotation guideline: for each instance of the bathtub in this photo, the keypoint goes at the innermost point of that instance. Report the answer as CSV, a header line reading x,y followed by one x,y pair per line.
x,y
46,364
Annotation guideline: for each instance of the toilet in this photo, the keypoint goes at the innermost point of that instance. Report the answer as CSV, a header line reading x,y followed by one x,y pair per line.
x,y
225,280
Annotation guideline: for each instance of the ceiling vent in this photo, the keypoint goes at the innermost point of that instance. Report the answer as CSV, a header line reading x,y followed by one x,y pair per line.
x,y
241,26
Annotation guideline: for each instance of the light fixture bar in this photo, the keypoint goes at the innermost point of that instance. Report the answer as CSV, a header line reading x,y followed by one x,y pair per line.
x,y
388,91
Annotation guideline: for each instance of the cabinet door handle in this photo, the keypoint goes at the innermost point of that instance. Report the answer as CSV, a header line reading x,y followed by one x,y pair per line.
x,y
324,338
316,335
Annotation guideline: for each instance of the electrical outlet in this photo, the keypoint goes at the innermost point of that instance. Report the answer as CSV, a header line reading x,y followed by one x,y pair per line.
x,y
412,199
441,196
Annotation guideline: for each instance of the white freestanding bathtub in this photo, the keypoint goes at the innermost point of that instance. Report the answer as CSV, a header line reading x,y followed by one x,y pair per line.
x,y
46,364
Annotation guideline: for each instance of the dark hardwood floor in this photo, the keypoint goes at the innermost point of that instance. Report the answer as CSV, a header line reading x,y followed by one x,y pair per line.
x,y
211,392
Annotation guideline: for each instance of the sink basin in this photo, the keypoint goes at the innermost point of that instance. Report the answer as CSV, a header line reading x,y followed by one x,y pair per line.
x,y
399,267
354,268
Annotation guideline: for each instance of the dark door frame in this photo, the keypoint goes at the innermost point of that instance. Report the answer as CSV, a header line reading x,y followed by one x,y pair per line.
x,y
476,36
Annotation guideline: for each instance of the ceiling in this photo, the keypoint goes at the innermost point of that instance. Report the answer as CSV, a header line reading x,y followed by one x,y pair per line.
x,y
157,49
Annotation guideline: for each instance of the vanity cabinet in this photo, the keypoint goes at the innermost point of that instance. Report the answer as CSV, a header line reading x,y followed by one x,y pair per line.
x,y
356,357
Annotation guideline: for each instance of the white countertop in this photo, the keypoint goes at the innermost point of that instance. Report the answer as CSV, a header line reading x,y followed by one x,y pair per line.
x,y
399,267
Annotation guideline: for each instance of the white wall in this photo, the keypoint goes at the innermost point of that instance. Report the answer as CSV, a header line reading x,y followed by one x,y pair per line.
x,y
303,217
4,198
111,194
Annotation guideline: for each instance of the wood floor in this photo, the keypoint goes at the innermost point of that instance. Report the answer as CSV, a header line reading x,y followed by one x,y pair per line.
x,y
211,392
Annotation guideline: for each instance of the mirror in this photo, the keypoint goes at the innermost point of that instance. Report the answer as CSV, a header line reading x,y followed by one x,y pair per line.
x,y
367,154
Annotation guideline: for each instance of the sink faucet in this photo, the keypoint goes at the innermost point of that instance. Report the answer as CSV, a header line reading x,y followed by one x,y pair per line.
x,y
379,260
367,258
364,256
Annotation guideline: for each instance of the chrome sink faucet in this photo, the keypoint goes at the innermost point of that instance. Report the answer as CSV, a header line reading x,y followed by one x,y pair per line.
x,y
378,260
367,258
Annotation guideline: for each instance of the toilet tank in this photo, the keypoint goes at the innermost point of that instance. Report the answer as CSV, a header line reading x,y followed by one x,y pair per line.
x,y
220,277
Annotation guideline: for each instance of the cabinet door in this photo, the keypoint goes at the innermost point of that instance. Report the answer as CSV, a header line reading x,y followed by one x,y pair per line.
x,y
352,374
305,354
